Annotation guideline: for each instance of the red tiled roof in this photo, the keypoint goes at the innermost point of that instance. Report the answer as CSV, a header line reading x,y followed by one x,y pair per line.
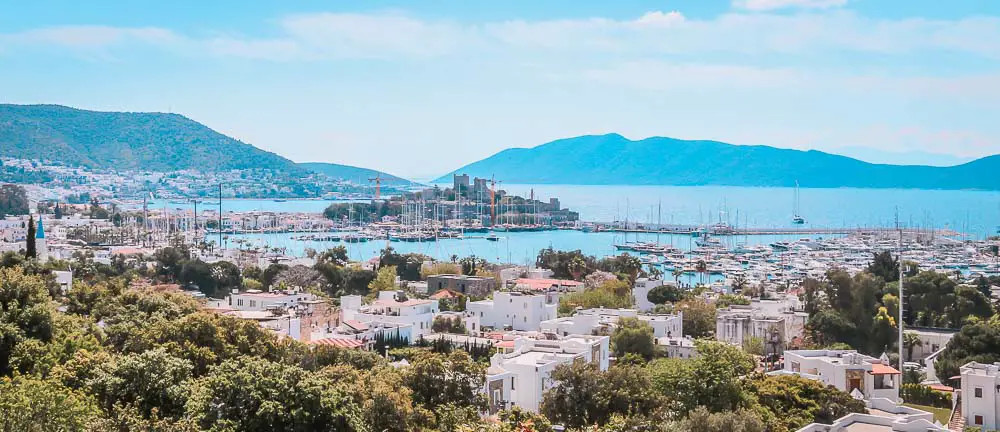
x,y
881,369
941,387
357,325
342,343
443,294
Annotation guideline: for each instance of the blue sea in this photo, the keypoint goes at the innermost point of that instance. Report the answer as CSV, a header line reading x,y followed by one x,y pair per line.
x,y
976,213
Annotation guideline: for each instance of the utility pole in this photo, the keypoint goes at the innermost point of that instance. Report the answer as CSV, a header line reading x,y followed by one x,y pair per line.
x,y
220,219
900,323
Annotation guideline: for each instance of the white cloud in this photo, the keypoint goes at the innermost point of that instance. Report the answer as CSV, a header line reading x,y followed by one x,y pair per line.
x,y
766,5
660,18
392,35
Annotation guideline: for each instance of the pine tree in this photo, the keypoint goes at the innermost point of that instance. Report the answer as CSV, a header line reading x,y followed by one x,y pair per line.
x,y
58,212
30,251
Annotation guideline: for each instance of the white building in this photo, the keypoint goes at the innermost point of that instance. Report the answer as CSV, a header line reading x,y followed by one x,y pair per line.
x,y
847,370
981,395
883,416
256,300
602,321
678,347
737,324
64,279
513,310
520,375
391,307
931,341
640,293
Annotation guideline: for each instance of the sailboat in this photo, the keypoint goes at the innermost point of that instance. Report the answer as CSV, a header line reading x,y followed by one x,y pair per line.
x,y
796,218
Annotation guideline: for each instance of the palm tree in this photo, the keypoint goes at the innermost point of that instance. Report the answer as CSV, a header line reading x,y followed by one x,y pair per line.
x,y
677,275
910,340
576,267
701,267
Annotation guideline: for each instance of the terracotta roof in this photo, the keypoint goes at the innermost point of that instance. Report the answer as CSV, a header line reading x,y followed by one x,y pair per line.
x,y
941,387
357,325
506,344
443,294
881,369
342,343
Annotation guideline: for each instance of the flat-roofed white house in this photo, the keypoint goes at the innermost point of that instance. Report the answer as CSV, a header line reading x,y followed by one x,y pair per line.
x,y
932,340
847,370
737,324
520,374
602,321
511,309
640,292
981,395
883,416
256,300
391,307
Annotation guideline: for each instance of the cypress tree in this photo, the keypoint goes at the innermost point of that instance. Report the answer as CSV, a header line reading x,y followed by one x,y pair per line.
x,y
30,251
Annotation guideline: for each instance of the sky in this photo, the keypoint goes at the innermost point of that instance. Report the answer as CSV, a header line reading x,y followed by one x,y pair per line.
x,y
420,88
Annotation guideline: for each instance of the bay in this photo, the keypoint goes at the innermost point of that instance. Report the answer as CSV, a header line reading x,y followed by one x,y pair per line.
x,y
976,213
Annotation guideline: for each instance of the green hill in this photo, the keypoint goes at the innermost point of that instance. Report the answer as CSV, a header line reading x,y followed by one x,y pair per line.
x,y
615,160
125,140
352,173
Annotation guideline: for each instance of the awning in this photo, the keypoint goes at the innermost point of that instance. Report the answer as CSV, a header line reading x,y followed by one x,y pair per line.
x,y
881,369
342,343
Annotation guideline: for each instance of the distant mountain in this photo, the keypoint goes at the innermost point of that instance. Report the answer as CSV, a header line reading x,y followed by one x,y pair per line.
x,y
915,157
125,140
615,160
347,172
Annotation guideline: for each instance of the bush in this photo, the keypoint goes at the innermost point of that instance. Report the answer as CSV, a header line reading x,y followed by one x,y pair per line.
x,y
923,395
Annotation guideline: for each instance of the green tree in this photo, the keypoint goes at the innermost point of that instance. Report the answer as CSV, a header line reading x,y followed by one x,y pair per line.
x,y
169,262
438,379
795,402
667,294
225,277
30,249
884,266
253,394
611,294
25,313
979,342
701,420
196,272
30,404
713,379
699,317
577,267
13,200
633,336
387,404
385,280
154,382
583,395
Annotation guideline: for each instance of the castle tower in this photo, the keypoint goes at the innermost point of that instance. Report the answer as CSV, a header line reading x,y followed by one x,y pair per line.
x,y
41,248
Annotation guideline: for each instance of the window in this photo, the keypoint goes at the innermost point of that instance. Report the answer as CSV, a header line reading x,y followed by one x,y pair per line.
x,y
977,420
525,319
512,383
883,384
979,392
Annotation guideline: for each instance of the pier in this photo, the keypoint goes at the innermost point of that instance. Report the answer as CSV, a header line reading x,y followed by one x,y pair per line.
x,y
730,231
